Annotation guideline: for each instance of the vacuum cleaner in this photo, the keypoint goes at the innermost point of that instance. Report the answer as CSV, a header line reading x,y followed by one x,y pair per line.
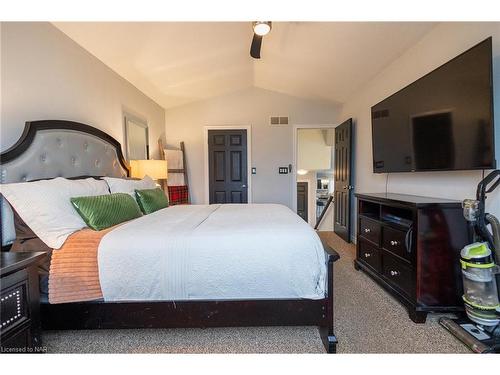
x,y
479,261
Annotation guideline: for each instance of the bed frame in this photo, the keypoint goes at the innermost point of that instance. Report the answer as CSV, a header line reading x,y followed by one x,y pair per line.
x,y
21,163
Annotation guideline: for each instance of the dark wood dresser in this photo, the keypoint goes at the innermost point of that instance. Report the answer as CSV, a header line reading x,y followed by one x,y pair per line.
x,y
411,246
20,330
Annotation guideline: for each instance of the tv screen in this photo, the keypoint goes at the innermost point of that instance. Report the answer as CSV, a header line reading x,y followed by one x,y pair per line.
x,y
443,121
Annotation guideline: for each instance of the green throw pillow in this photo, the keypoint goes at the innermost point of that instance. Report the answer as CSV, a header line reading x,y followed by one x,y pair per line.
x,y
103,211
151,200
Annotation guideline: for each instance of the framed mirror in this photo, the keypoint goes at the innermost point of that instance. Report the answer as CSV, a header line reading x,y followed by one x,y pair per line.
x,y
136,138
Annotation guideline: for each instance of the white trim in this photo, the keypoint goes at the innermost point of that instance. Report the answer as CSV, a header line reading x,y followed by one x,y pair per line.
x,y
294,173
248,128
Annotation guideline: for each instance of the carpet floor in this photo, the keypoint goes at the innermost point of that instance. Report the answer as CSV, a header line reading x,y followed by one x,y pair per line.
x,y
367,320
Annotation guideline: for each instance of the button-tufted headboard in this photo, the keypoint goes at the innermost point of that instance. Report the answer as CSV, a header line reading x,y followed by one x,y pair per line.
x,y
58,148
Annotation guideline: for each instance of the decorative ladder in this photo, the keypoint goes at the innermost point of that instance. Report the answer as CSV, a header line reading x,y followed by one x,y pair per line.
x,y
182,171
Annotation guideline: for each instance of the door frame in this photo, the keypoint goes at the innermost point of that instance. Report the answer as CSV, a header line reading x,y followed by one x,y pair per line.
x,y
248,128
295,155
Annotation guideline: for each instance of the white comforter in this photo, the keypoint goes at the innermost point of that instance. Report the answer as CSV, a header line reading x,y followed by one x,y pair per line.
x,y
223,252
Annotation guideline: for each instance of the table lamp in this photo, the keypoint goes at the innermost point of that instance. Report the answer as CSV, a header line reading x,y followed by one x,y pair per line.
x,y
156,169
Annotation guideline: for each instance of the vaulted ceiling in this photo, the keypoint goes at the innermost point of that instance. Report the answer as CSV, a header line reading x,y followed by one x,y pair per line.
x,y
179,62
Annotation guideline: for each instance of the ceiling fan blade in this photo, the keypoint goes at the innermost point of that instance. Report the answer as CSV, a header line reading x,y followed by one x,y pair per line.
x,y
255,47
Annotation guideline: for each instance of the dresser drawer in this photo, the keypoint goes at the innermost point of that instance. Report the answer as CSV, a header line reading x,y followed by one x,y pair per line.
x,y
395,241
370,230
370,255
398,273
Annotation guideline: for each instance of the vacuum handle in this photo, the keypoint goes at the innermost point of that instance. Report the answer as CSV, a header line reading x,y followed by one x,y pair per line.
x,y
482,186
497,279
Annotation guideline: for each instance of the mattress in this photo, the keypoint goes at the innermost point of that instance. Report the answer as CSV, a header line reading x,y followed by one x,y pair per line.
x,y
213,252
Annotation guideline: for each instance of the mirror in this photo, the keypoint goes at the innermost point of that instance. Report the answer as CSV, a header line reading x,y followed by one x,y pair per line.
x,y
136,138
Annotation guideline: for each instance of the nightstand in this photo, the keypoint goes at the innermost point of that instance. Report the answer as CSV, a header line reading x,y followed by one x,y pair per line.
x,y
20,329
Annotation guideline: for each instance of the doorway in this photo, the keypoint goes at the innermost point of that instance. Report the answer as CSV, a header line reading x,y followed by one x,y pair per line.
x,y
227,165
314,155
303,200
322,155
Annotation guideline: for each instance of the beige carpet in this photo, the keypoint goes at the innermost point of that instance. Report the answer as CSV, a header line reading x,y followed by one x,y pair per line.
x,y
367,320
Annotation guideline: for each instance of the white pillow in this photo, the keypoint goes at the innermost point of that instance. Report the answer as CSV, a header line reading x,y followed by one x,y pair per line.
x,y
46,208
123,185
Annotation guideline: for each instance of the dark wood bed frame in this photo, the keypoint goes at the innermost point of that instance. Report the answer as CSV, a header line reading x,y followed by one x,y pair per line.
x,y
180,314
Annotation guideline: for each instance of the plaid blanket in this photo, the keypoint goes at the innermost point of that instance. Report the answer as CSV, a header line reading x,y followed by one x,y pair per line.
x,y
178,195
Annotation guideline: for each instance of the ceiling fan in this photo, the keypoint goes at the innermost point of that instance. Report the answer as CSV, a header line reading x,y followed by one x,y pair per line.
x,y
259,30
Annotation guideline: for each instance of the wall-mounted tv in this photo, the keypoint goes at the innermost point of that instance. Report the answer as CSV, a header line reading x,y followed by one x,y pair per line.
x,y
441,122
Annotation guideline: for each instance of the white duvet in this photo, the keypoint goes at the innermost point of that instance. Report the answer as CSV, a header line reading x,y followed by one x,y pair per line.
x,y
224,252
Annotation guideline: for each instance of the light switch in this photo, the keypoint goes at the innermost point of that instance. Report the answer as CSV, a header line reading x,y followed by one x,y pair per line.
x,y
283,170
254,170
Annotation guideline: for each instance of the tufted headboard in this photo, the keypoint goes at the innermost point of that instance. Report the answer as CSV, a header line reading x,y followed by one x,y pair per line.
x,y
58,148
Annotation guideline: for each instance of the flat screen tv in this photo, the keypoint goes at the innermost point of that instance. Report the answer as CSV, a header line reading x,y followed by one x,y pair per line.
x,y
441,122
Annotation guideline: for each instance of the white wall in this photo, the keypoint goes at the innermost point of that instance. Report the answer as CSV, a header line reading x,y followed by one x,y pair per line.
x,y
46,75
441,44
272,145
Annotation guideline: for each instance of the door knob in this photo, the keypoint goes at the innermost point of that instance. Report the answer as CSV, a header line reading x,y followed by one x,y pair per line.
x,y
243,186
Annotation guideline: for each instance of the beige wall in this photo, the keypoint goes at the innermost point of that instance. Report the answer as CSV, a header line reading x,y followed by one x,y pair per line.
x,y
46,75
313,152
441,44
271,144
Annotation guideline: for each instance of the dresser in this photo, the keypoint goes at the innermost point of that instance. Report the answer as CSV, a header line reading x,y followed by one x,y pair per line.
x,y
410,245
20,330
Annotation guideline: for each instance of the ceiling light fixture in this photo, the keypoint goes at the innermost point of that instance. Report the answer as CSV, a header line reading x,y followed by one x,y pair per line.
x,y
261,28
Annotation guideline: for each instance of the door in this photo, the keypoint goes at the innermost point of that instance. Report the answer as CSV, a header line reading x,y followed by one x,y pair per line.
x,y
342,179
227,168
302,199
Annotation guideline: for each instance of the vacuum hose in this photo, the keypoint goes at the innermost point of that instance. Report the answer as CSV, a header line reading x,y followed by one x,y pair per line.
x,y
495,229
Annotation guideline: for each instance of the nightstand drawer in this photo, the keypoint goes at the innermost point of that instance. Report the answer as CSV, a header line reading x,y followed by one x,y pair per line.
x,y
20,329
17,342
13,302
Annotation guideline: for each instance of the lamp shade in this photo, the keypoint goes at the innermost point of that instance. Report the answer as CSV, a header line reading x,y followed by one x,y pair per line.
x,y
156,169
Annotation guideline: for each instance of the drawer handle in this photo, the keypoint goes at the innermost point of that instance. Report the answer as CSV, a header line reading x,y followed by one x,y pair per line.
x,y
367,255
395,243
367,230
395,273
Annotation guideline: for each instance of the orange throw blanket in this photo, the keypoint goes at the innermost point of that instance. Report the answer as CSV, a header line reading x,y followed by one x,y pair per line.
x,y
74,273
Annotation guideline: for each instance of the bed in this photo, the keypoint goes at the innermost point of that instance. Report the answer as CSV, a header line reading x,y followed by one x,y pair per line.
x,y
184,266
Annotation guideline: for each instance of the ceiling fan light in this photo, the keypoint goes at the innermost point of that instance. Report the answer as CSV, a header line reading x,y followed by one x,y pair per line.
x,y
261,28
